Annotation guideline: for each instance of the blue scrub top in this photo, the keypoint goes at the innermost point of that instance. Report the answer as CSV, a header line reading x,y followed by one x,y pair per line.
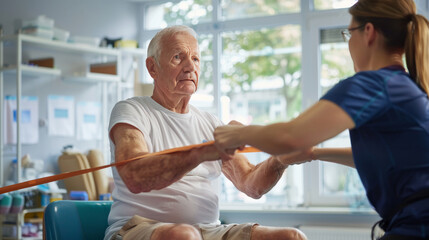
x,y
390,142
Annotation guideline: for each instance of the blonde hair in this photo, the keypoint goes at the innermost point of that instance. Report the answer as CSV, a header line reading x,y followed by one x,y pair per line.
x,y
403,29
154,49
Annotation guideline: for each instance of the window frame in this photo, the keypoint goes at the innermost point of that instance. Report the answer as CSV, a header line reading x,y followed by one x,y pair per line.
x,y
317,21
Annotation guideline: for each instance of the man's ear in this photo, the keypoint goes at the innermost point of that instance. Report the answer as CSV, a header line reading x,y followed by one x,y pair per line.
x,y
152,67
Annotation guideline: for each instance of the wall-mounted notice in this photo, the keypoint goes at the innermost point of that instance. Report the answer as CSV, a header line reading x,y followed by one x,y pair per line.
x,y
29,129
88,121
61,116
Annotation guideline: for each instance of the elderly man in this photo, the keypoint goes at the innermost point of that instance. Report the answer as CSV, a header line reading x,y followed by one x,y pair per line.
x,y
175,196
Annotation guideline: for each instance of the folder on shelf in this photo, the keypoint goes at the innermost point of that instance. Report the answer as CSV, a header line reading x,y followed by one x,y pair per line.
x,y
105,68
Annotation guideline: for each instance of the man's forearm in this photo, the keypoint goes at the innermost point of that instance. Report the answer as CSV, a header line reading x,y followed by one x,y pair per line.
x,y
157,172
264,177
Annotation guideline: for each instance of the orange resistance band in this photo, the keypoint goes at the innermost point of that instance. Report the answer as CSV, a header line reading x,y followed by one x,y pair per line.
x,y
61,176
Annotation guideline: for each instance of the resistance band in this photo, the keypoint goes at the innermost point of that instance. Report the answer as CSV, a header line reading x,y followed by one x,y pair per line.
x,y
61,176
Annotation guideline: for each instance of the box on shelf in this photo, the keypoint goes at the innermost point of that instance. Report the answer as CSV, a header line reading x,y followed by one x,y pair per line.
x,y
35,199
40,22
38,32
91,41
40,196
105,68
32,230
42,62
61,35
126,44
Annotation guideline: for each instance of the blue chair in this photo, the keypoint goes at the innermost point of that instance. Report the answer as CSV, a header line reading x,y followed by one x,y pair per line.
x,y
75,220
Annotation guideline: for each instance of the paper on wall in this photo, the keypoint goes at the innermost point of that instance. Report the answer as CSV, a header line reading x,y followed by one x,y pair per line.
x,y
88,120
61,116
29,129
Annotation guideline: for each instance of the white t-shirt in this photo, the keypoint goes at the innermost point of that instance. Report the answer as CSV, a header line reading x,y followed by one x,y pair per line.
x,y
194,198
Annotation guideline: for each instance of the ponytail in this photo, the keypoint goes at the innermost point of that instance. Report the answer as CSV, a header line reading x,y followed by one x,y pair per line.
x,y
417,50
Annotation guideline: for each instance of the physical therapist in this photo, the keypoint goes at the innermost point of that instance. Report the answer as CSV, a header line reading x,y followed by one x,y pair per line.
x,y
386,109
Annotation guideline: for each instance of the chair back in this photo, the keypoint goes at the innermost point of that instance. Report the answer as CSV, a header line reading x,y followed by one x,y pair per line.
x,y
74,219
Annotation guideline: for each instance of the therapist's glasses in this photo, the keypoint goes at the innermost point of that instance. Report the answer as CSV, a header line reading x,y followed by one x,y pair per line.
x,y
347,33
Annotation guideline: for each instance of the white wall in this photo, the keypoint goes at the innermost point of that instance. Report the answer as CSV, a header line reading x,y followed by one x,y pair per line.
x,y
91,18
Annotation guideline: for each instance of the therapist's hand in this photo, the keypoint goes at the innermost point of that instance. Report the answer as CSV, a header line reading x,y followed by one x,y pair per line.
x,y
228,138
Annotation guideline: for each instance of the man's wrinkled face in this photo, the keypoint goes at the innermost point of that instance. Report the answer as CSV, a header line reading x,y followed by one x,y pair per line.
x,y
179,64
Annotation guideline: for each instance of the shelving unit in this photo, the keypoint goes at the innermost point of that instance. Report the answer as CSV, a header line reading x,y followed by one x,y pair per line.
x,y
18,70
60,46
21,70
20,221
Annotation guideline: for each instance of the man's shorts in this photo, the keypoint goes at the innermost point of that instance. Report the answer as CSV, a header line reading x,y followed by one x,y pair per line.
x,y
140,228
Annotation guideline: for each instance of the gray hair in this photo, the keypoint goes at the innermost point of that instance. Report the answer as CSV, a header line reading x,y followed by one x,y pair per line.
x,y
154,48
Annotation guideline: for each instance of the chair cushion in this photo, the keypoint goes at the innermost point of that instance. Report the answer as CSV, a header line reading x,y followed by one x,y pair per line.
x,y
69,219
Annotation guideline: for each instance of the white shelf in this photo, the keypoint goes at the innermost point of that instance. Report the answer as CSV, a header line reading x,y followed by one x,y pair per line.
x,y
33,210
137,52
32,70
62,46
92,78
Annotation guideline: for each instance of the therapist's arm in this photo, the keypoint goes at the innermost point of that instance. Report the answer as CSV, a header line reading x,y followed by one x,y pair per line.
x,y
320,122
257,180
154,172
342,156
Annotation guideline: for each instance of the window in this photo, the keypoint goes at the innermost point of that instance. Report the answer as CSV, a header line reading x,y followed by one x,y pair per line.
x,y
333,4
179,12
232,9
261,80
336,62
253,55
259,68
204,98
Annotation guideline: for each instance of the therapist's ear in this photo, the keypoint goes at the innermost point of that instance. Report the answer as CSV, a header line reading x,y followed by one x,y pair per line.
x,y
370,33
